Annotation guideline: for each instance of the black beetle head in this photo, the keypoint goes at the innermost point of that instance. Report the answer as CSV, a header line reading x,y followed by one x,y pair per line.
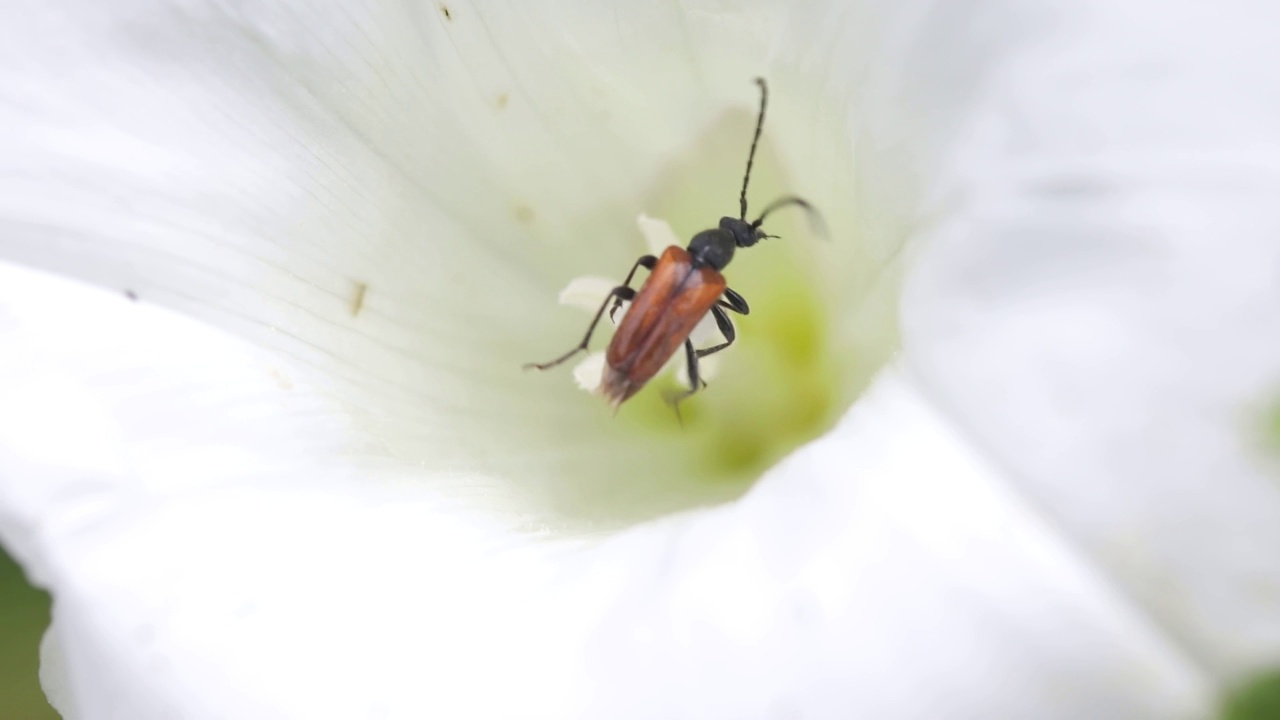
x,y
744,234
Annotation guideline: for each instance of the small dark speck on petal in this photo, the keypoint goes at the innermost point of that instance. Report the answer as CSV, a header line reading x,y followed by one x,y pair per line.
x,y
131,295
525,214
502,101
444,9
357,300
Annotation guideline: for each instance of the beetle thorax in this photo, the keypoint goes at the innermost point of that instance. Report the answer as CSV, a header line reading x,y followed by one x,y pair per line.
x,y
713,248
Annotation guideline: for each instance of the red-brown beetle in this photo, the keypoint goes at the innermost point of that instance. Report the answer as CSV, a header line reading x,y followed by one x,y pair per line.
x,y
683,286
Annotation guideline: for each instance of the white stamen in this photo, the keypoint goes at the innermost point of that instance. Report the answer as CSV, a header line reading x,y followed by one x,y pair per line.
x,y
588,372
587,292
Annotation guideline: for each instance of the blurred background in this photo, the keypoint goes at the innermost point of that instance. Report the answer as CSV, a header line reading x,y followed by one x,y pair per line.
x,y
24,614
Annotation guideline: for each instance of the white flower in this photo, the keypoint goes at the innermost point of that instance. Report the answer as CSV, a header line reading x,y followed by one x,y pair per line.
x,y
271,269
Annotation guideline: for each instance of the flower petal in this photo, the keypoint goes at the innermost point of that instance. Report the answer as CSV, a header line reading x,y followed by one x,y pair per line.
x,y
657,233
106,397
381,195
880,560
1101,313
831,590
199,583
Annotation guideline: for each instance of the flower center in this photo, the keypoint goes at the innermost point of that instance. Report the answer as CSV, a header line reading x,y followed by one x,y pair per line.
x,y
777,386
797,363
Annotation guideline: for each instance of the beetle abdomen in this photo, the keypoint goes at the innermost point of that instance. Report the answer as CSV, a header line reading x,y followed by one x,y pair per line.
x,y
672,302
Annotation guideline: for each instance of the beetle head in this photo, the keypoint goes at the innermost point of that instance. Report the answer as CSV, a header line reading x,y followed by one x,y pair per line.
x,y
744,233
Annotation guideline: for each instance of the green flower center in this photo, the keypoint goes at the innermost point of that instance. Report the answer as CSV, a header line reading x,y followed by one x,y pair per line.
x,y
777,387
792,371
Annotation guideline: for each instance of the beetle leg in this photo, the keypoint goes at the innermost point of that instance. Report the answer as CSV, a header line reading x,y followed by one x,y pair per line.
x,y
622,292
726,328
695,380
648,261
735,302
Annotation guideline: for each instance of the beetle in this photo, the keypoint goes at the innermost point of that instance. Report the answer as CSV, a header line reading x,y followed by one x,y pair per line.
x,y
684,284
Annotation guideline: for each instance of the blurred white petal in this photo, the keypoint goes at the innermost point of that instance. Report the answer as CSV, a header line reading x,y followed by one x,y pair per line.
x,y
873,589
658,234
55,679
1102,314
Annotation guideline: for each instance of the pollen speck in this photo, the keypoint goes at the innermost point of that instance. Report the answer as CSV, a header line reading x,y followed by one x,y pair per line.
x,y
357,300
444,9
502,101
525,214
281,381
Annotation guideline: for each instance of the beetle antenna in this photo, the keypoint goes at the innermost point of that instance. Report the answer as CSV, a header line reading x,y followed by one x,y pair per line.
x,y
751,156
815,218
